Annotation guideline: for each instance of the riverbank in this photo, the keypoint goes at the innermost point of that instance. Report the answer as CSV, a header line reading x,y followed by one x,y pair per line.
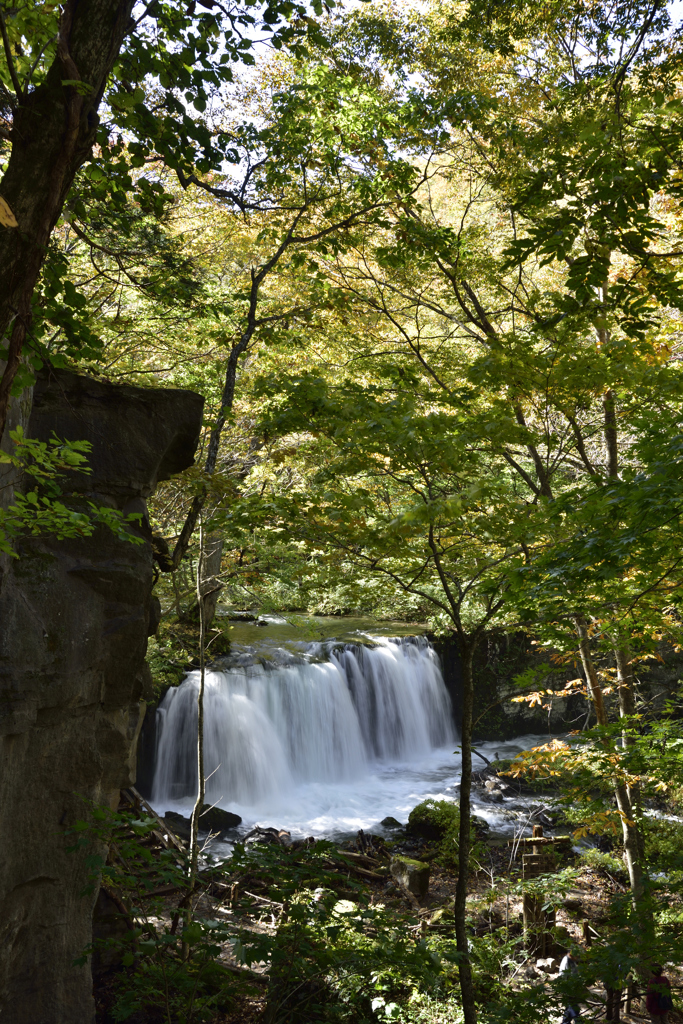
x,y
300,931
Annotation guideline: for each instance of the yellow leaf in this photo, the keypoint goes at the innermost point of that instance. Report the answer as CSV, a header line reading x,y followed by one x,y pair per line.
x,y
7,218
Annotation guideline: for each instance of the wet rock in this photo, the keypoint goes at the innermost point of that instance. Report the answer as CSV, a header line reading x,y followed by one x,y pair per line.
x,y
432,819
480,825
302,844
412,874
492,796
390,822
215,819
236,616
211,819
178,824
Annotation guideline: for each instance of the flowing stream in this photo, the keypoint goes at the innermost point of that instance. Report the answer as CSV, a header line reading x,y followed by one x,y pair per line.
x,y
322,739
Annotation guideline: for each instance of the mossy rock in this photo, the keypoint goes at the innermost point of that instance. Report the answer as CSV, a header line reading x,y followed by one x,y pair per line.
x,y
411,874
433,819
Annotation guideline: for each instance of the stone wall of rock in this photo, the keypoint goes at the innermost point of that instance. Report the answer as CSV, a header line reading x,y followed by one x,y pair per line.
x,y
502,657
74,621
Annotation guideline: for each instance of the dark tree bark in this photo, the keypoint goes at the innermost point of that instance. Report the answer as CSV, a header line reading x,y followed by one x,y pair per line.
x,y
611,449
53,130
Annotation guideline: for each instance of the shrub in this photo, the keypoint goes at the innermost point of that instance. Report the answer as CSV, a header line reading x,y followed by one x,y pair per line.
x,y
604,862
663,843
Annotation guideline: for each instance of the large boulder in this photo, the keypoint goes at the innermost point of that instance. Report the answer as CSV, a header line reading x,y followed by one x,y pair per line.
x,y
215,819
74,621
433,819
211,819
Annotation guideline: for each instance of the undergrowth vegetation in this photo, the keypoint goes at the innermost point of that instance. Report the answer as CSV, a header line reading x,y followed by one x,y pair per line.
x,y
290,935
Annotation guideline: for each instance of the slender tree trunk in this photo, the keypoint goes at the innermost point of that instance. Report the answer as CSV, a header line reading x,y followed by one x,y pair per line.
x,y
594,688
629,827
609,405
625,682
464,839
626,797
194,825
629,831
627,707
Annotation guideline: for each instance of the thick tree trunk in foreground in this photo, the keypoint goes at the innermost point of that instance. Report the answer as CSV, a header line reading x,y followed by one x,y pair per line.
x,y
53,131
460,909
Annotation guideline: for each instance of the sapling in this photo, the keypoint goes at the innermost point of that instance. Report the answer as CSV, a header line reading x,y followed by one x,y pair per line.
x,y
201,783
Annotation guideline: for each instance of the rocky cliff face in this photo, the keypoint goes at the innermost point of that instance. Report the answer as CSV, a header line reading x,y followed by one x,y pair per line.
x,y
74,621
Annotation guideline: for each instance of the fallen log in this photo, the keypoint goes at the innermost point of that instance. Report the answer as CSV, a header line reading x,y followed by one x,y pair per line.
x,y
360,858
132,796
374,876
364,873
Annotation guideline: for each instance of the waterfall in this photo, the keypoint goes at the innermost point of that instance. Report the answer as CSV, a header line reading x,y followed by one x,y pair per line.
x,y
271,727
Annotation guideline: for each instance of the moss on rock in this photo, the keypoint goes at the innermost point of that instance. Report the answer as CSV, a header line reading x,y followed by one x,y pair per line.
x,y
433,819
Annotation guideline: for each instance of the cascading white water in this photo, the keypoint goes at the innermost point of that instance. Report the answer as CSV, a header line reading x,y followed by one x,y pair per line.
x,y
271,728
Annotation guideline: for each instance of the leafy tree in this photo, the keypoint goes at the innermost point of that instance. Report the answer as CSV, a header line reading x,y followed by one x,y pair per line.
x,y
57,73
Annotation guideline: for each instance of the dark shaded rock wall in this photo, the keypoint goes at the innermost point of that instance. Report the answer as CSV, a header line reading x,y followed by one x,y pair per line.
x,y
74,621
501,657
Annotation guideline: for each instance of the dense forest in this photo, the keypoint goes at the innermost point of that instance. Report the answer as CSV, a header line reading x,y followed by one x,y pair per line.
x,y
422,261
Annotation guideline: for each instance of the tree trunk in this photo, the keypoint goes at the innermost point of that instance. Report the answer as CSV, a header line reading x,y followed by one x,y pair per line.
x,y
610,432
627,707
460,909
201,782
625,681
53,130
628,826
594,688
210,586
629,831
